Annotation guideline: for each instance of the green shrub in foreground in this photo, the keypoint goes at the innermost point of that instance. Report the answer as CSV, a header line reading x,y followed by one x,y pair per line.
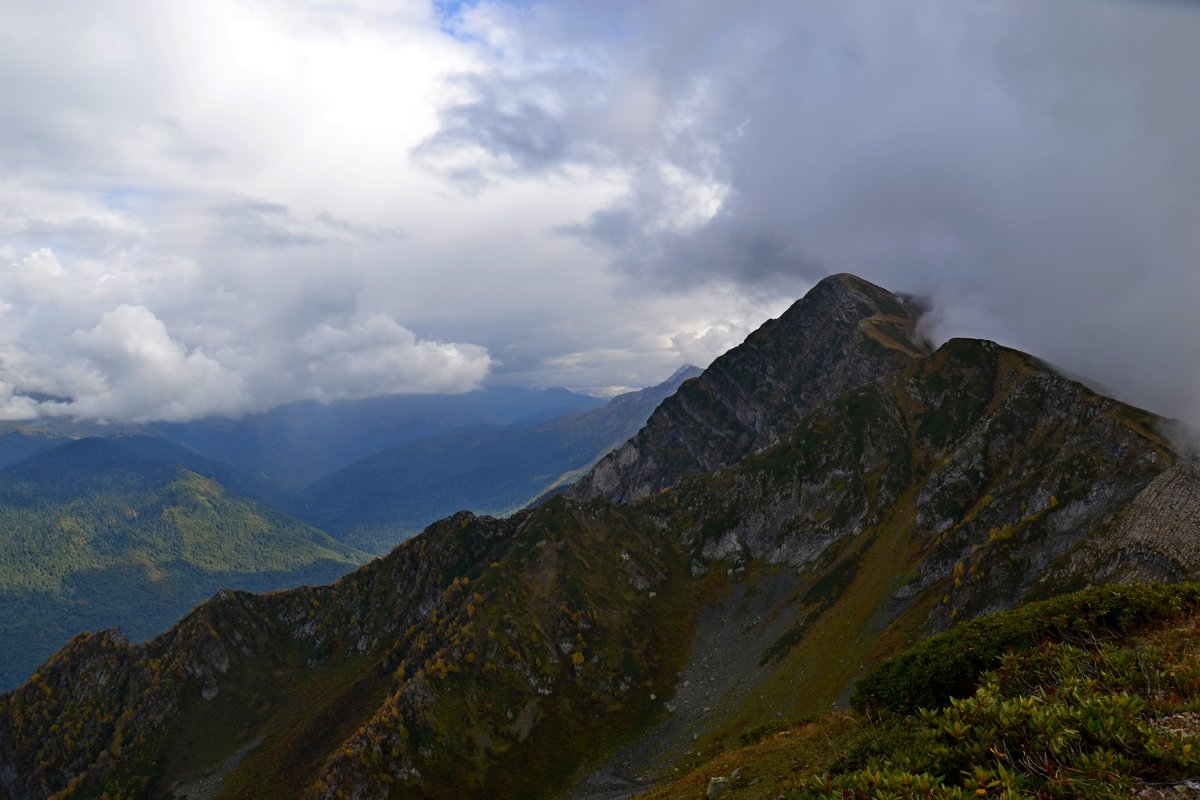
x,y
1056,720
948,665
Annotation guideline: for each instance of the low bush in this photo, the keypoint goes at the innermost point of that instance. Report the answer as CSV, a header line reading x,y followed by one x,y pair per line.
x,y
949,665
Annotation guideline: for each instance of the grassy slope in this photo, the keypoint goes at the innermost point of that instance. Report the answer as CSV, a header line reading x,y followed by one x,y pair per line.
x,y
545,662
1075,697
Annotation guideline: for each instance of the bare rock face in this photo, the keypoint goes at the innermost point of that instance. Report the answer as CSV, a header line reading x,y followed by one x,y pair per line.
x,y
1155,538
1162,525
845,333
995,463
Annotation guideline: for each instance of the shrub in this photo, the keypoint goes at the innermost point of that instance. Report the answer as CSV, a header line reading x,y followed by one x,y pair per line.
x,y
948,665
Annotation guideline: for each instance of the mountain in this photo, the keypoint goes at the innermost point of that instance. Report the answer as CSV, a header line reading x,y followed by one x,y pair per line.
x,y
18,442
377,501
829,521
844,333
162,451
137,580
954,488
97,533
295,444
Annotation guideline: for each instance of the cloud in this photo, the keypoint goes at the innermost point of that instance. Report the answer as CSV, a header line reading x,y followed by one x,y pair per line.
x,y
64,354
216,209
129,367
374,356
1030,166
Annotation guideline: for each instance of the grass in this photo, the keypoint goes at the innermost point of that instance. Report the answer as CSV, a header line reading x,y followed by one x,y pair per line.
x,y
836,644
1101,704
301,737
770,766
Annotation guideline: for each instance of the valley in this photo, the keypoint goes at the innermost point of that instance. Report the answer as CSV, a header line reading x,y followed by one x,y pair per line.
x,y
131,526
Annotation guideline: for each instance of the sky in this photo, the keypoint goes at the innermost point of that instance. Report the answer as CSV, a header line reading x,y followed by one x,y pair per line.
x,y
212,208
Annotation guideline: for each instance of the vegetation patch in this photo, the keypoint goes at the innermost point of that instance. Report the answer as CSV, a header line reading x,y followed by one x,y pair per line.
x,y
819,597
948,666
1058,719
1102,703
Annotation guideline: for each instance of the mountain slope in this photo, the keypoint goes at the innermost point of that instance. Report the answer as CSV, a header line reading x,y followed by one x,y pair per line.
x,y
1156,538
941,492
1087,695
376,502
19,442
162,451
481,644
591,645
94,536
844,333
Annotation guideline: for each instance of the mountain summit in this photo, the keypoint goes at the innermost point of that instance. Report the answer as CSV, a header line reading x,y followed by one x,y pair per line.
x,y
821,498
846,332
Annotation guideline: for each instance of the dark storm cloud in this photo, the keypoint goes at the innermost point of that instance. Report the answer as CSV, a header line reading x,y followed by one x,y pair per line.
x,y
522,133
1031,166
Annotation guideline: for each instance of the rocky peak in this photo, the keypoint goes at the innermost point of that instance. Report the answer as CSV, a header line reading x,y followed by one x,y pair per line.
x,y
846,332
500,657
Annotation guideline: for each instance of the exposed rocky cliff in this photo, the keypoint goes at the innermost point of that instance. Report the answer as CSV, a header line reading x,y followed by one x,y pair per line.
x,y
844,333
1155,538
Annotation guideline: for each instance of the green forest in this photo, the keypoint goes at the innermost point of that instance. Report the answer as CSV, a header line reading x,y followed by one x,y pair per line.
x,y
92,537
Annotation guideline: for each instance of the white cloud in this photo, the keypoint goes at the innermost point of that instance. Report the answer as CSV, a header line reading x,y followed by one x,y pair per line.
x,y
68,338
134,370
374,355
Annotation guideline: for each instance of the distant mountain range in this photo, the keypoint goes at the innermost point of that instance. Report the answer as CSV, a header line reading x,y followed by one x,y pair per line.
x,y
133,528
492,469
823,497
295,444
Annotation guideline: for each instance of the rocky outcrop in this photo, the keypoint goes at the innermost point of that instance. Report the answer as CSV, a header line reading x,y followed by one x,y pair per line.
x,y
1155,538
845,333
1165,520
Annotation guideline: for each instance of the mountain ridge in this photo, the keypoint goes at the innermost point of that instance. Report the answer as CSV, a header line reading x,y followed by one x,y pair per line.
x,y
585,641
